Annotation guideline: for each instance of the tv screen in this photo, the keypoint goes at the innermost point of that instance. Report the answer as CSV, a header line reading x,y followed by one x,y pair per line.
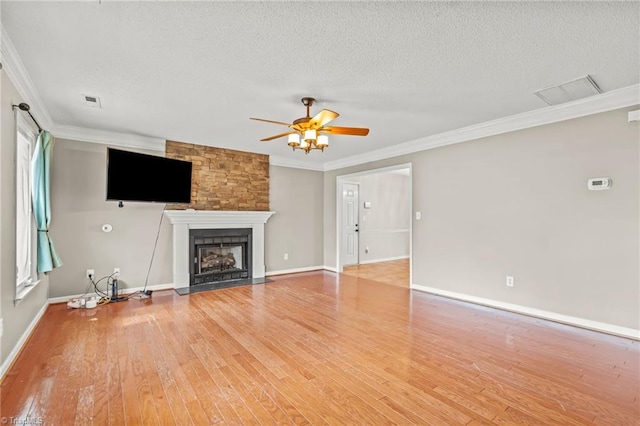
x,y
140,177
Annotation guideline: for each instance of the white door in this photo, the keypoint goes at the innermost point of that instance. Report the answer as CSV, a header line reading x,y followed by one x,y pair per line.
x,y
349,251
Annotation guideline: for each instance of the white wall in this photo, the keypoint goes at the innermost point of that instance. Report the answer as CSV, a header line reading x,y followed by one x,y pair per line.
x,y
517,204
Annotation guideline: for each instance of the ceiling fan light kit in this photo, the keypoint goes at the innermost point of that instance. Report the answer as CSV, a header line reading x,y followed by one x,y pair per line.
x,y
311,132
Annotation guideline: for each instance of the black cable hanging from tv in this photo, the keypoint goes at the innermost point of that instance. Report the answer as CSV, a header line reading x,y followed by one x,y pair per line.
x,y
25,107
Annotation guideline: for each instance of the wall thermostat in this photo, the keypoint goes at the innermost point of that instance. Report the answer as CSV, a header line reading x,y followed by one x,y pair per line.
x,y
107,228
598,184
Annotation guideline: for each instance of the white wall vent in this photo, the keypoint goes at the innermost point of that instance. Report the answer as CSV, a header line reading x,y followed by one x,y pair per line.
x,y
91,101
569,91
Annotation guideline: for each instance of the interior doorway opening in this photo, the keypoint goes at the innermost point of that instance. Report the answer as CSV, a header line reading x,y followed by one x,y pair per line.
x,y
350,253
375,221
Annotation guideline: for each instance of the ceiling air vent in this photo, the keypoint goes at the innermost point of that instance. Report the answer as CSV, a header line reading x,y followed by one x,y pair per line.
x,y
569,91
91,101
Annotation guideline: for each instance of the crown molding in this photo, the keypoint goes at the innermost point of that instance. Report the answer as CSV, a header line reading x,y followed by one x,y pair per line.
x,y
17,73
614,99
106,137
276,160
608,101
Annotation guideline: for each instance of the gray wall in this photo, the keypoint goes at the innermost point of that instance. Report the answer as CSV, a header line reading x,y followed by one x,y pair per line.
x,y
16,319
79,210
517,204
383,228
296,228
511,204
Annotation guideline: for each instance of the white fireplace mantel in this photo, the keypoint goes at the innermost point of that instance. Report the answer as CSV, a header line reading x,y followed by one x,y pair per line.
x,y
184,220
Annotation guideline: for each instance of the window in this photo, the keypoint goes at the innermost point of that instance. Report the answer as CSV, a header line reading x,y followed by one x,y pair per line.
x,y
26,277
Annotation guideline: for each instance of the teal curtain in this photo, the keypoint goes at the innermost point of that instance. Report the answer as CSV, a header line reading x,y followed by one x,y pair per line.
x,y
41,200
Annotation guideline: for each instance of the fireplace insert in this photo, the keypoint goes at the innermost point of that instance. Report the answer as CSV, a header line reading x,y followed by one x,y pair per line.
x,y
219,255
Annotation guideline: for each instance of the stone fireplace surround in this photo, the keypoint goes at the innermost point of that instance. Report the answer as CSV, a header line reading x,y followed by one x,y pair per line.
x,y
184,220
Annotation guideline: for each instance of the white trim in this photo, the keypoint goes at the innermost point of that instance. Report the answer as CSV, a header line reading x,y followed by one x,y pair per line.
x,y
24,290
123,290
608,101
386,259
294,271
401,172
538,313
23,339
387,169
184,220
26,133
345,179
156,287
63,299
330,269
383,231
277,160
106,137
17,73
206,217
614,99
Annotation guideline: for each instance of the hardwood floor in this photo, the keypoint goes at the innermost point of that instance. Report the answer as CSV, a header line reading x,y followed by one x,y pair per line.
x,y
394,272
317,348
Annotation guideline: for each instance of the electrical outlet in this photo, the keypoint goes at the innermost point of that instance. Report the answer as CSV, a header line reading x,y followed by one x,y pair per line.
x,y
510,281
286,256
91,273
116,272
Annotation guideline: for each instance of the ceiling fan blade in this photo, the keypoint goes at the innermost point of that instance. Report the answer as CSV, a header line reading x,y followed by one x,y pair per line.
x,y
270,121
352,131
270,138
323,117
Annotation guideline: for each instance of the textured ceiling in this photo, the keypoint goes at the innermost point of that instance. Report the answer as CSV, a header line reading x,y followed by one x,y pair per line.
x,y
196,71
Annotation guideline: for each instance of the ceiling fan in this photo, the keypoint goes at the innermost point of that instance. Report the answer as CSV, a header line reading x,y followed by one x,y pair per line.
x,y
309,133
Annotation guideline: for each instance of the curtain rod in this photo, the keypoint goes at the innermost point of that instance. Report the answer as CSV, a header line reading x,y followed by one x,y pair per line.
x,y
26,107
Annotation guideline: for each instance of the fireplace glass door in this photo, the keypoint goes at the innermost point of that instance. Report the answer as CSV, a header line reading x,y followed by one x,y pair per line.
x,y
220,255
218,259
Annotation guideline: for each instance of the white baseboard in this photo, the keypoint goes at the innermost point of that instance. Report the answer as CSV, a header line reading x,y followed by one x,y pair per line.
x,y
62,299
23,339
168,286
294,271
616,330
386,259
330,268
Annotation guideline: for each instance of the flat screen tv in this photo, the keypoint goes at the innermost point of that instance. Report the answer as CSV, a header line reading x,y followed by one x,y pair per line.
x,y
132,176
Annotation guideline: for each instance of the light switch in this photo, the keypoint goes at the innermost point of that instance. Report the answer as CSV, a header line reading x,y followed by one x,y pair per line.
x,y
418,215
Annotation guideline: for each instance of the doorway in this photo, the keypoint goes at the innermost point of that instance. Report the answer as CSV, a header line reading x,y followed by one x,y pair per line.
x,y
350,216
374,222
